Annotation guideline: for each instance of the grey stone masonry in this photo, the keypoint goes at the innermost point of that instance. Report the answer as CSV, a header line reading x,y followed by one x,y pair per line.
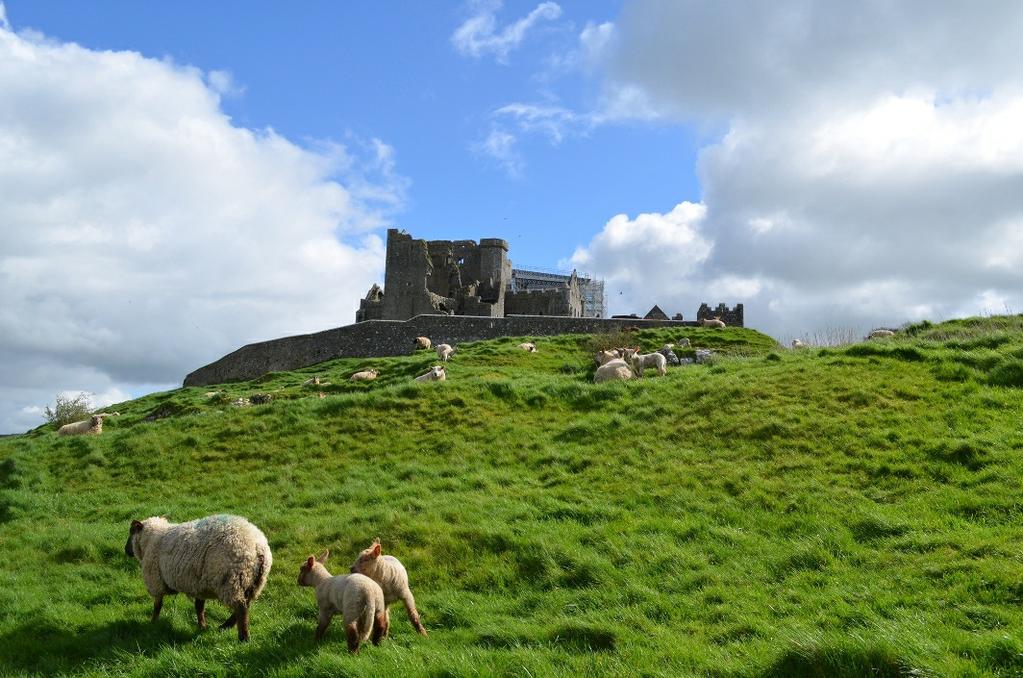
x,y
378,338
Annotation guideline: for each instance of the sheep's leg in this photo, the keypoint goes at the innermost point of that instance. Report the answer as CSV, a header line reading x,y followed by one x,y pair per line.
x,y
413,614
243,622
200,612
157,606
321,628
352,633
380,624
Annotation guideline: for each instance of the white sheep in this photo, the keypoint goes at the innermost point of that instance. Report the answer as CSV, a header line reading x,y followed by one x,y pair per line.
x,y
528,347
613,370
393,579
656,360
365,375
91,426
436,373
797,344
359,599
422,342
716,322
880,334
444,351
604,357
222,556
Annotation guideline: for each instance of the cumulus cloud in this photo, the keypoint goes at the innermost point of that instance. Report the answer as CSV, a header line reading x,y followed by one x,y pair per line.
x,y
479,35
145,235
871,168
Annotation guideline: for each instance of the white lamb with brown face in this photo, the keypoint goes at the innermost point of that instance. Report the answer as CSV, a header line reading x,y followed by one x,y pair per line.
x,y
392,577
436,373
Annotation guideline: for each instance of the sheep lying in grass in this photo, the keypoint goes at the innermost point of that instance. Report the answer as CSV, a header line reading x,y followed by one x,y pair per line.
x,y
654,360
314,381
91,426
359,599
436,373
797,344
444,351
422,342
223,557
393,579
716,322
528,347
613,370
604,357
365,375
880,334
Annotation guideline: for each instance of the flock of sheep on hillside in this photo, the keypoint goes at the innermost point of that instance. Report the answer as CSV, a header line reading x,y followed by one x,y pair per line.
x,y
227,558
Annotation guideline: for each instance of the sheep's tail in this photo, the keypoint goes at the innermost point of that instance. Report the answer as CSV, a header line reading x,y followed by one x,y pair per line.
x,y
258,580
366,618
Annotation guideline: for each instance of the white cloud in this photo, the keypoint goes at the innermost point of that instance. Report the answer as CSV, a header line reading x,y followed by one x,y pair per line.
x,y
222,82
479,35
4,23
145,235
870,172
554,122
500,146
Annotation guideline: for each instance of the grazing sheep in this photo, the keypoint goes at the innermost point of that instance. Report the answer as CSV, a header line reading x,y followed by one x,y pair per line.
x,y
436,373
716,322
655,360
359,599
393,579
669,355
797,344
223,557
444,351
422,342
91,426
613,370
365,375
528,347
880,334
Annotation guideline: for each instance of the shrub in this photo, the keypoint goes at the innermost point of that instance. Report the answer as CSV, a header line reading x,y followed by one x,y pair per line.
x,y
68,409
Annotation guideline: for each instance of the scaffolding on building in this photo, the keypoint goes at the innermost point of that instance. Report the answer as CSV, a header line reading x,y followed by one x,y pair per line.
x,y
538,278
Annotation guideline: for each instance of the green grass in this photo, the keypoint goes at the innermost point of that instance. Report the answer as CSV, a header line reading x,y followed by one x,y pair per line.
x,y
830,512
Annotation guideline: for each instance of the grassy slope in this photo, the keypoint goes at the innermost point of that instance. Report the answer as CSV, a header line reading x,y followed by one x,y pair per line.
x,y
778,513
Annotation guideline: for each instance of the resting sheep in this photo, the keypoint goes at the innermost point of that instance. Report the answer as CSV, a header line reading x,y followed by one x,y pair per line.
x,y
654,360
444,351
365,375
393,579
359,599
613,370
528,347
604,357
422,342
880,334
716,322
797,344
669,355
91,426
223,557
436,373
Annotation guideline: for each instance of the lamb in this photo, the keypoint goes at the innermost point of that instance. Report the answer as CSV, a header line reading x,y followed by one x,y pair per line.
x,y
683,343
224,557
393,579
444,351
880,334
422,342
365,375
91,426
436,373
528,347
359,599
669,355
715,322
797,344
604,357
613,370
655,360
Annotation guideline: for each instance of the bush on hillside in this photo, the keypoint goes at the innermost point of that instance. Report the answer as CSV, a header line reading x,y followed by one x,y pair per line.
x,y
68,409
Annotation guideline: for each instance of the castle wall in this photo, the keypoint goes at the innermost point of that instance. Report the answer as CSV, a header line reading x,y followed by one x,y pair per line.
x,y
377,338
733,317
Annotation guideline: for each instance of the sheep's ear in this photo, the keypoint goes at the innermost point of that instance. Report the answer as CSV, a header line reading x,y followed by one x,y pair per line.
x,y
323,556
375,549
136,526
309,562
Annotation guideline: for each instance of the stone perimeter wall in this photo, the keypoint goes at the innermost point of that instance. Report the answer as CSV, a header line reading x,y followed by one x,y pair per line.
x,y
379,338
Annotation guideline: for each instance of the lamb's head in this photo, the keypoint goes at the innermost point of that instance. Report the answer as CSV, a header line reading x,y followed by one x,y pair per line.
x,y
311,565
96,421
367,560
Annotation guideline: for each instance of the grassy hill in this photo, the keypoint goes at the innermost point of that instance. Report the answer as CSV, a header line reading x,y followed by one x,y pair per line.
x,y
837,511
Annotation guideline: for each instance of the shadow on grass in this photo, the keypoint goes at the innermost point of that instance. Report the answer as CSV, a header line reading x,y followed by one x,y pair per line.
x,y
39,646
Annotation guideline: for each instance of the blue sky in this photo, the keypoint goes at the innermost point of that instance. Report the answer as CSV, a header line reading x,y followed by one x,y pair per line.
x,y
181,179
338,71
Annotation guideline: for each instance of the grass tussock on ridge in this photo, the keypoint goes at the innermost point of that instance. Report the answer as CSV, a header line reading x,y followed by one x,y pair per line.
x,y
841,511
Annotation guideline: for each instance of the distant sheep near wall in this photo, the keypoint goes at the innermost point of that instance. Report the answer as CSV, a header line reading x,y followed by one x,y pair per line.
x,y
715,322
422,342
445,351
528,347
